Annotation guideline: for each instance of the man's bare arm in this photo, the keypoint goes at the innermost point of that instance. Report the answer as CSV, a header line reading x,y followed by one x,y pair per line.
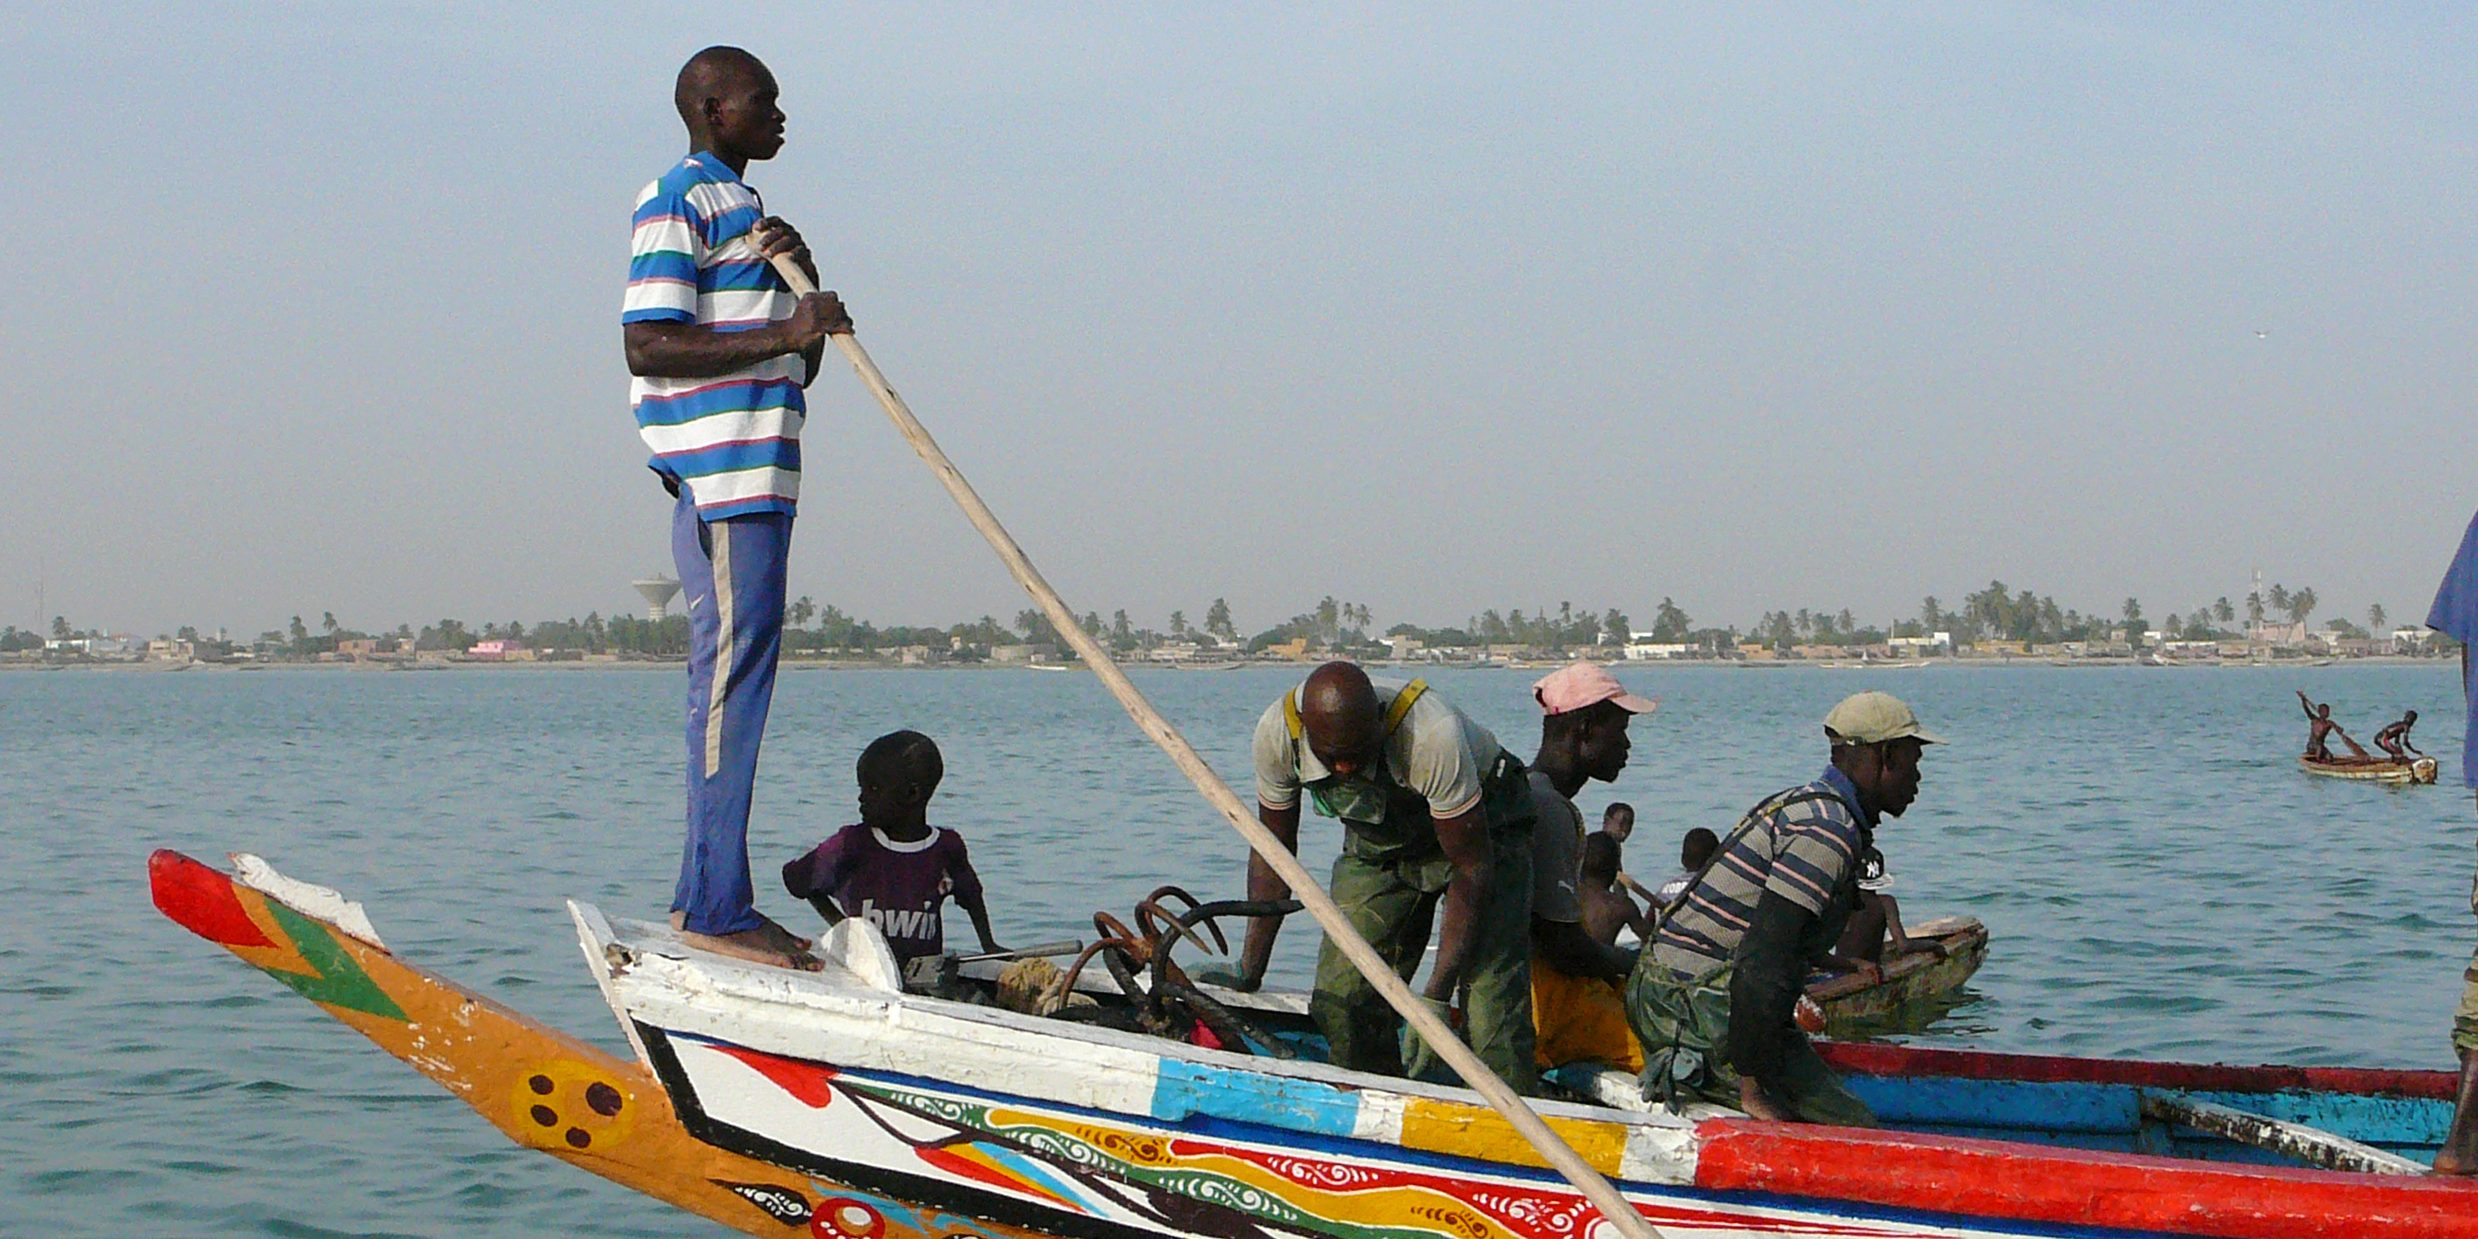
x,y
1465,839
1263,883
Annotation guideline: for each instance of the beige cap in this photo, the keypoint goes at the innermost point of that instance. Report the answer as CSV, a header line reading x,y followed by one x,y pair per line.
x,y
1873,718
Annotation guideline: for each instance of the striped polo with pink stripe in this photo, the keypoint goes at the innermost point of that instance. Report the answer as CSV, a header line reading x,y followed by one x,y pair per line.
x,y
733,439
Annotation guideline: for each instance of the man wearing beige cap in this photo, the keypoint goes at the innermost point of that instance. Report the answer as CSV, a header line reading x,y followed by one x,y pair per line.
x,y
1713,1001
1576,1007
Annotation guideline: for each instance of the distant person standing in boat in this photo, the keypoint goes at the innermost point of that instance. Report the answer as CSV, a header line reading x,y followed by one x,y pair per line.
x,y
2455,614
2320,728
2394,737
892,868
1576,1008
1436,826
721,351
1714,1000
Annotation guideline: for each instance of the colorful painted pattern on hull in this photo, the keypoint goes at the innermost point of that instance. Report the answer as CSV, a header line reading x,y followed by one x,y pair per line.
x,y
1090,1173
541,1088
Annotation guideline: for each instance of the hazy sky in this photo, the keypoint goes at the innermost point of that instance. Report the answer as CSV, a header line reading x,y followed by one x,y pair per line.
x,y
314,308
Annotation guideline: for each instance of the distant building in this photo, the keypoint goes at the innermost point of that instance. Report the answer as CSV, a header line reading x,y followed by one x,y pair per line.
x,y
500,650
1295,649
1404,648
1922,647
1639,649
1034,652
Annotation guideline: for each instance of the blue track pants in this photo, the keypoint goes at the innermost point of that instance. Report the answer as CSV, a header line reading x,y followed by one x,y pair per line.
x,y
731,576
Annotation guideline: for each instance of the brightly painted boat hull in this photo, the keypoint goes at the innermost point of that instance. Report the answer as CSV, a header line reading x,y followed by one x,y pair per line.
x,y
834,1104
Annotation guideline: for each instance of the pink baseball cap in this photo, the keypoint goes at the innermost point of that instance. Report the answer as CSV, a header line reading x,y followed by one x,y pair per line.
x,y
1586,684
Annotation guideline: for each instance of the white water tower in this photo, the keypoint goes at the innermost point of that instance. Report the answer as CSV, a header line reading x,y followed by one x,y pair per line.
x,y
658,591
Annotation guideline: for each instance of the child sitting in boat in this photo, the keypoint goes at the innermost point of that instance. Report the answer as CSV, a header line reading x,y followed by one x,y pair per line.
x,y
892,868
1874,932
1607,909
1693,854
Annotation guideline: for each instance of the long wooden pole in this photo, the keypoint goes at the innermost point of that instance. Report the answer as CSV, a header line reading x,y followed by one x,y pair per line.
x,y
1603,1195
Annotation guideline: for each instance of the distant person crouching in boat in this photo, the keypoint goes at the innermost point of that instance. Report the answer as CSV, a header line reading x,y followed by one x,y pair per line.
x,y
1576,1008
2320,728
2394,738
1694,852
1618,823
2455,614
720,353
1713,1001
892,868
1436,825
1875,931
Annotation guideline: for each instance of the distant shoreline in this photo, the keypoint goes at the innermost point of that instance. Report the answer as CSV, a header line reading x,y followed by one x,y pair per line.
x,y
141,667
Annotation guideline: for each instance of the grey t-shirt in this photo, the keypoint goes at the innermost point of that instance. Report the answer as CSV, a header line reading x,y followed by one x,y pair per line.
x,y
1557,854
1436,753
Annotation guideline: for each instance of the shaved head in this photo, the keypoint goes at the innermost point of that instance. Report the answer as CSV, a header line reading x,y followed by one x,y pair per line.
x,y
727,99
1338,710
710,74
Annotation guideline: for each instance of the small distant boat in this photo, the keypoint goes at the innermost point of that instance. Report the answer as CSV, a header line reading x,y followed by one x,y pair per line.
x,y
2372,769
1849,998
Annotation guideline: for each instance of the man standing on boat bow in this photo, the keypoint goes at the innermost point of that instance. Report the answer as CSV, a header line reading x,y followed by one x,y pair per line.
x,y
721,352
1714,1000
1435,814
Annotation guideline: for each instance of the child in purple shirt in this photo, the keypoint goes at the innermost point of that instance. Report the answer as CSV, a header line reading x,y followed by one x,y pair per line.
x,y
893,868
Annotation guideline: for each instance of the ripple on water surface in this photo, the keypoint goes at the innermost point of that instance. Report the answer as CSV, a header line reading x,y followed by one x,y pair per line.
x,y
2158,878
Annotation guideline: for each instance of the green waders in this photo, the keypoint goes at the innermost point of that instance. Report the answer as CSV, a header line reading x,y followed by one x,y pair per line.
x,y
1388,881
1683,1023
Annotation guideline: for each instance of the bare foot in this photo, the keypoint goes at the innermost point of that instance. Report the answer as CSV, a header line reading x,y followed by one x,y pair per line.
x,y
769,944
2448,1162
1751,1099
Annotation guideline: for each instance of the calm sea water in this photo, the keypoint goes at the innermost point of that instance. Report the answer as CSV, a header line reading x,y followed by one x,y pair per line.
x,y
2159,879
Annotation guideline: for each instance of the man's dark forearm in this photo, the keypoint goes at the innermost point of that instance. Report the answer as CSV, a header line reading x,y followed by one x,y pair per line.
x,y
1764,989
1565,947
691,351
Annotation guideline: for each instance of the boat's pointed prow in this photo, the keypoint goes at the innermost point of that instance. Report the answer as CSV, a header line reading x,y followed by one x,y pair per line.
x,y
540,1087
201,900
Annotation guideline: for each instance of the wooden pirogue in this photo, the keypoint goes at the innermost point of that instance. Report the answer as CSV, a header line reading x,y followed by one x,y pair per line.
x,y
835,1104
1850,1000
2372,769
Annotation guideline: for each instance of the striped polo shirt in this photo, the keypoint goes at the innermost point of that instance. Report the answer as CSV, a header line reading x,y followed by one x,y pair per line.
x,y
1804,843
732,439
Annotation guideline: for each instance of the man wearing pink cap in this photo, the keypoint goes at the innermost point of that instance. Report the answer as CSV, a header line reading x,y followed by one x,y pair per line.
x,y
1577,1011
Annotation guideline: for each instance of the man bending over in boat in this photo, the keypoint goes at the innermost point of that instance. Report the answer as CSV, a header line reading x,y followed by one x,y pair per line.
x,y
2455,614
1713,1001
2320,728
2394,737
892,868
721,352
1436,823
1576,1008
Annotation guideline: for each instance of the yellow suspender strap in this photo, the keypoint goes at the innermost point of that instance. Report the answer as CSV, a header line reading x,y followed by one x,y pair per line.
x,y
1394,714
1401,709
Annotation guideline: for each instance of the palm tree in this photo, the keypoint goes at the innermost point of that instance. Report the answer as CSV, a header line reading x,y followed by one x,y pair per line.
x,y
2374,619
2222,611
2302,604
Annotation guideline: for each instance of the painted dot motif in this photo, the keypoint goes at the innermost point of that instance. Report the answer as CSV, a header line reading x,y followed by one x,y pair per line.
x,y
571,1104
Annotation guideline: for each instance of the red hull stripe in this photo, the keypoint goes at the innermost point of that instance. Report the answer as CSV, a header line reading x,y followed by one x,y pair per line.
x,y
1996,1180
810,1084
201,901
1894,1060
